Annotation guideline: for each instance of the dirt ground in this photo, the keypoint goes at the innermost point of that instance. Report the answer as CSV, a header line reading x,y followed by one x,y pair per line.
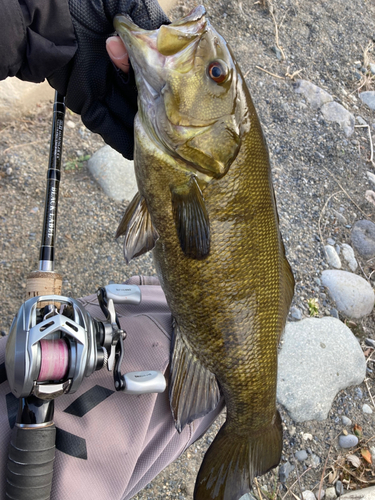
x,y
318,172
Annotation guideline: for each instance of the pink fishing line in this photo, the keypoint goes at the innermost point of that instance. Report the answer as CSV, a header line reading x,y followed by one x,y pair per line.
x,y
55,359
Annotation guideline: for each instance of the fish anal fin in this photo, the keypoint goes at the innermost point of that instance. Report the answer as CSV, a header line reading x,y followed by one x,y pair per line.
x,y
232,461
140,234
191,219
194,390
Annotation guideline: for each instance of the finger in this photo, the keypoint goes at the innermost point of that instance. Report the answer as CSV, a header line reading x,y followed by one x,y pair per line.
x,y
118,53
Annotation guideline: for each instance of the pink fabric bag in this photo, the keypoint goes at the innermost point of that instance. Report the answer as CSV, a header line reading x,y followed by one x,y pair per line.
x,y
109,444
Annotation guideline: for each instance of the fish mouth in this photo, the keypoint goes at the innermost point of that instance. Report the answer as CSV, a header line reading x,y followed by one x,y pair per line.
x,y
152,52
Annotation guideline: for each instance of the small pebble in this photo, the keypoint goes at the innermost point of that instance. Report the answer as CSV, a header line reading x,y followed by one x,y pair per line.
x,y
332,258
334,313
366,409
348,441
330,493
358,392
370,343
349,256
322,494
339,488
372,451
346,420
315,460
9,171
301,455
296,313
331,241
361,121
308,495
70,124
284,471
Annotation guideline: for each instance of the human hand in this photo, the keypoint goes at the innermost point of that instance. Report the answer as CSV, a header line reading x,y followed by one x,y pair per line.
x,y
106,100
118,53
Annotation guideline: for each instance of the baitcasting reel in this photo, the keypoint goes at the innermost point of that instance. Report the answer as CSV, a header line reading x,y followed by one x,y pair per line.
x,y
54,343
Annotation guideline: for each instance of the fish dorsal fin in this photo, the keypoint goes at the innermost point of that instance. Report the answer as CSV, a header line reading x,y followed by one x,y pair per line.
x,y
140,234
193,391
191,219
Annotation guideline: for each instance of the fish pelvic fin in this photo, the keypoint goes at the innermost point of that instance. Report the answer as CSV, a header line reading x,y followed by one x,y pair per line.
x,y
288,287
193,391
191,219
140,234
232,461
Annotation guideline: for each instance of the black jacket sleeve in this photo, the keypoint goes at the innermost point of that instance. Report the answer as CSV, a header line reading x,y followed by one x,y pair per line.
x,y
36,38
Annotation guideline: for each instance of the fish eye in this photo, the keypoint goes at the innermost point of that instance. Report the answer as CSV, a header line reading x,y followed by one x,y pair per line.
x,y
218,71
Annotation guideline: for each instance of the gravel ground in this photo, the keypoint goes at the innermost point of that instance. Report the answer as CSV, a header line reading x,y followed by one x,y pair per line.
x,y
318,173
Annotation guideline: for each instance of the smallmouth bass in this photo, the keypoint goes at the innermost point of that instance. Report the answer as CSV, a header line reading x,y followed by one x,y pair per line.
x,y
206,207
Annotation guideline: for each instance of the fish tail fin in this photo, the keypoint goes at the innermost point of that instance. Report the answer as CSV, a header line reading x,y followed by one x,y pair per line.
x,y
232,462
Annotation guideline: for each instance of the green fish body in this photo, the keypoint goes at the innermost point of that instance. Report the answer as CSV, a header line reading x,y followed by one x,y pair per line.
x,y
206,207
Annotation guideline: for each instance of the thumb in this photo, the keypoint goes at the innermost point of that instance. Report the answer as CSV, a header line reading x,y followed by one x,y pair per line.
x,y
118,53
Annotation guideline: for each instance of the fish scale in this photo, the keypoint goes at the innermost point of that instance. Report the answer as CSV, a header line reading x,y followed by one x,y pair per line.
x,y
218,251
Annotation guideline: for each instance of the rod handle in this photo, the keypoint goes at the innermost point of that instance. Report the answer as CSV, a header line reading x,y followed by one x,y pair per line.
x,y
30,463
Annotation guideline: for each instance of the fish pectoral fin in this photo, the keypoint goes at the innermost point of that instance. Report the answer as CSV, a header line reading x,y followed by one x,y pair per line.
x,y
140,234
214,150
191,219
194,390
233,460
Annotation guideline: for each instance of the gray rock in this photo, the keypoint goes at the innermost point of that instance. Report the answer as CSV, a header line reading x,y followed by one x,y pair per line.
x,y
370,196
334,313
372,451
296,313
335,112
368,98
330,493
348,254
278,53
308,495
346,420
314,460
113,173
331,241
339,488
301,455
353,295
363,238
319,357
371,177
314,95
366,409
348,441
358,393
372,68
364,494
284,471
332,258
361,121
339,217
370,342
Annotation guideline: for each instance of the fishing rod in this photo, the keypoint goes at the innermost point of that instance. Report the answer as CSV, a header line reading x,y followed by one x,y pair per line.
x,y
54,343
